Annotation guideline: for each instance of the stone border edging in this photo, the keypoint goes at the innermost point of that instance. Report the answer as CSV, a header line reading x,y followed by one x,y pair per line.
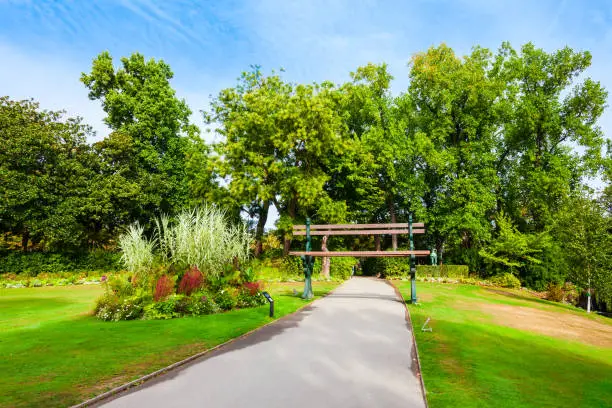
x,y
414,343
139,381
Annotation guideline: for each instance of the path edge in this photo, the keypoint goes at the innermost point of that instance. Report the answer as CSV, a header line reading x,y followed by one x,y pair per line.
x,y
414,343
141,380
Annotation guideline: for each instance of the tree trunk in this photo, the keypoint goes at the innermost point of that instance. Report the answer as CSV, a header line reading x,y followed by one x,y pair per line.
x,y
393,220
261,223
287,241
589,301
589,293
377,242
25,238
326,261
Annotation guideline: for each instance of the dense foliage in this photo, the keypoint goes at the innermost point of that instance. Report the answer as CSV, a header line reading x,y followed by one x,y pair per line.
x,y
191,266
492,150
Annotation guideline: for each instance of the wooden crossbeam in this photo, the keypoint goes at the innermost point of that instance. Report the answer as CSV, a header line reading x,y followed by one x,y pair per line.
x,y
358,226
358,254
364,232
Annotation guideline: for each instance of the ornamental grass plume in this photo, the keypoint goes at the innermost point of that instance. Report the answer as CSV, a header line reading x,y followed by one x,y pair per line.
x,y
137,252
202,237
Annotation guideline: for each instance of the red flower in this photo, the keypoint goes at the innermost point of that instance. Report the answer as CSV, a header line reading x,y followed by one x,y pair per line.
x,y
192,280
163,288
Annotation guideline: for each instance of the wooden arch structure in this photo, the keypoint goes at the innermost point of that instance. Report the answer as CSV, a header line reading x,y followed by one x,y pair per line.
x,y
308,255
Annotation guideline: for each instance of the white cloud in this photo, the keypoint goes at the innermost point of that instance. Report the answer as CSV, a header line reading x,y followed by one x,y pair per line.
x,y
54,82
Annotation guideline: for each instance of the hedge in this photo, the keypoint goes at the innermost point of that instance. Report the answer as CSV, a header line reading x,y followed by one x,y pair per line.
x,y
443,271
33,263
393,268
340,268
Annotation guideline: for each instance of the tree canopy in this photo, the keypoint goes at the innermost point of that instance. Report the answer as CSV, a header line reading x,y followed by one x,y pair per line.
x,y
493,150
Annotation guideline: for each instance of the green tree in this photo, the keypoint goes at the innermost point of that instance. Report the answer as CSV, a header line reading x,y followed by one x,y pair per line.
x,y
511,250
372,172
550,108
278,141
141,104
456,120
46,168
585,230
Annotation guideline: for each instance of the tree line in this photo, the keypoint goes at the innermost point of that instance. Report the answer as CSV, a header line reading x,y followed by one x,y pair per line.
x,y
492,150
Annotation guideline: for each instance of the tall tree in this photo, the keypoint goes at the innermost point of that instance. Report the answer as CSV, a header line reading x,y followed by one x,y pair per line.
x,y
277,143
46,168
371,178
456,121
551,111
140,103
585,231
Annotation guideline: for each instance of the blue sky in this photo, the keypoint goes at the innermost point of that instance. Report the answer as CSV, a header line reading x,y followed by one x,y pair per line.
x,y
45,45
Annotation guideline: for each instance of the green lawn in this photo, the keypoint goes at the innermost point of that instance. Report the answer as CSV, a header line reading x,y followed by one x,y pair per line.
x,y
54,353
496,348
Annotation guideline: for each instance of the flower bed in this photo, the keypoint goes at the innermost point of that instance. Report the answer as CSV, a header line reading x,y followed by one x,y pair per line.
x,y
11,280
191,265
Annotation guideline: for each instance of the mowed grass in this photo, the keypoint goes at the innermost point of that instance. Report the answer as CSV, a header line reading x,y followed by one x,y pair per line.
x,y
496,348
54,353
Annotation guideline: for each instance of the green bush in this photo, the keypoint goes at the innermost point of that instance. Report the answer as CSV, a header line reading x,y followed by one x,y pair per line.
x,y
292,266
387,268
225,300
395,268
120,286
129,309
249,295
342,267
110,307
443,271
106,305
554,292
202,304
571,292
171,307
34,263
506,280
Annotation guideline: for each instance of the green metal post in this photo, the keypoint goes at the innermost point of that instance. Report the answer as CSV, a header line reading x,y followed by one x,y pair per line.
x,y
308,261
413,297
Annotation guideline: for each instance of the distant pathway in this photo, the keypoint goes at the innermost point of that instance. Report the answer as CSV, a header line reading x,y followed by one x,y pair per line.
x,y
349,349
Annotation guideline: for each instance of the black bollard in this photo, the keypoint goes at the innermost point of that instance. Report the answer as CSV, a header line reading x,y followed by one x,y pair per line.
x,y
271,301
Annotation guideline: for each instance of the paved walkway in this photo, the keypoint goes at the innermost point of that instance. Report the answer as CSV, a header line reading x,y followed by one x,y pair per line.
x,y
349,349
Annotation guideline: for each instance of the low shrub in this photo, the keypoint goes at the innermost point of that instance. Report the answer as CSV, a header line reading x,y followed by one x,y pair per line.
x,y
572,294
106,305
225,300
554,292
398,268
171,307
342,267
129,309
110,307
249,295
506,280
443,271
567,293
191,281
34,263
120,286
202,304
292,266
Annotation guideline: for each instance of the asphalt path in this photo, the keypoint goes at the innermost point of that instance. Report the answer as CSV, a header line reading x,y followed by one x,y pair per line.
x,y
352,348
